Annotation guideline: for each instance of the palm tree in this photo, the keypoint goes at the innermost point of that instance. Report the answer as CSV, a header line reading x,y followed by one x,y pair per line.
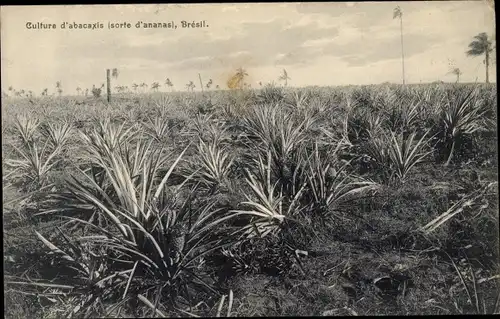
x,y
135,86
45,92
78,90
96,92
399,14
169,83
479,46
284,77
59,87
237,80
209,84
190,86
457,73
155,86
240,74
114,73
143,85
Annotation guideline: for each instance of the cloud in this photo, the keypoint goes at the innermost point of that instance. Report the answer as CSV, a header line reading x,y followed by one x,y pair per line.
x,y
363,15
366,15
387,49
257,42
361,50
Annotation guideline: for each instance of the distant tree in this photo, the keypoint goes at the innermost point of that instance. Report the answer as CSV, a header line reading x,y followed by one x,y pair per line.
x,y
238,79
241,74
190,86
217,86
144,86
59,87
457,73
86,92
135,86
121,88
155,86
284,77
209,84
45,92
95,91
169,84
78,90
398,13
481,44
114,73
30,94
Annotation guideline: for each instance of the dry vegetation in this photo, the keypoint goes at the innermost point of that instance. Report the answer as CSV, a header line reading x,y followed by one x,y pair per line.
x,y
272,202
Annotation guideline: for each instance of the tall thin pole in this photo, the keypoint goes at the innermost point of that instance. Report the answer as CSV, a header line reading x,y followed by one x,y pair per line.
x,y
108,82
402,46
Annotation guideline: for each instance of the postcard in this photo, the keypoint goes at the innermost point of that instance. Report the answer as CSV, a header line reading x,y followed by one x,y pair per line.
x,y
250,159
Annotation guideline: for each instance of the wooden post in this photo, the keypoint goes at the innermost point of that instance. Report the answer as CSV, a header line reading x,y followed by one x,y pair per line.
x,y
108,81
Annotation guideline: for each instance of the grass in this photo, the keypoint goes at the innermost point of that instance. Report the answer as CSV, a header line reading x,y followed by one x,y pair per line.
x,y
318,201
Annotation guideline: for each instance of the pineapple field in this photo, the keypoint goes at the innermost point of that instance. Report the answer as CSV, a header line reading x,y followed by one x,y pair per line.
x,y
318,201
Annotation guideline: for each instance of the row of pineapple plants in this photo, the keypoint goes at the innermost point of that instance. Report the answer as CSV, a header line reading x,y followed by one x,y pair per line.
x,y
145,238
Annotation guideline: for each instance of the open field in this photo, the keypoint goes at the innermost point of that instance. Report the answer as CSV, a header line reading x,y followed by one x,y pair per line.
x,y
376,200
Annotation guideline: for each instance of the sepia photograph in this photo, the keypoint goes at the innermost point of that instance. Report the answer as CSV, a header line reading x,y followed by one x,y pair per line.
x,y
250,159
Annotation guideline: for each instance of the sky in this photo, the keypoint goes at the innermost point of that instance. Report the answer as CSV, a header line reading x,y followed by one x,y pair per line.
x,y
338,43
